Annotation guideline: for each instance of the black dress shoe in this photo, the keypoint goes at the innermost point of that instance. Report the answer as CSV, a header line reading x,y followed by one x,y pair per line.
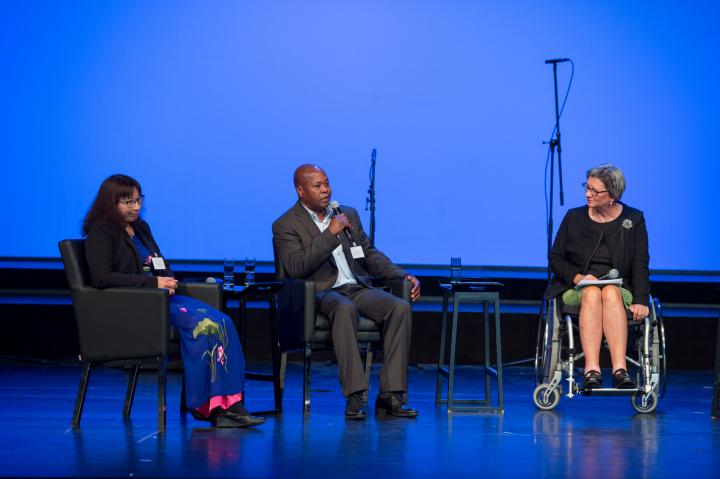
x,y
356,406
622,380
392,405
592,380
198,416
225,418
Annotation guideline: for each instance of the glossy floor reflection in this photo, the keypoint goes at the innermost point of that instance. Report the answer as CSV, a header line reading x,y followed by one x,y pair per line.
x,y
583,437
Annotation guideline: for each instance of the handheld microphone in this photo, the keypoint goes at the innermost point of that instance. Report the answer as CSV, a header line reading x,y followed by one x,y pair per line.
x,y
612,274
335,207
557,60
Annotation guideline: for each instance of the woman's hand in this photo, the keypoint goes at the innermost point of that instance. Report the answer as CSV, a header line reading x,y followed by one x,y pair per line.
x,y
639,311
580,277
168,283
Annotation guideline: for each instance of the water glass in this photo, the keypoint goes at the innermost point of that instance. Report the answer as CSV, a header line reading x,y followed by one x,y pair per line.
x,y
249,270
455,266
229,273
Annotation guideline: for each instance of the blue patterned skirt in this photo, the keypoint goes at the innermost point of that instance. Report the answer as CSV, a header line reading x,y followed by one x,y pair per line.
x,y
211,352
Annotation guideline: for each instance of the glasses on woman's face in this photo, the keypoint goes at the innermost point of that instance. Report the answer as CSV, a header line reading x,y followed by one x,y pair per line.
x,y
592,190
133,201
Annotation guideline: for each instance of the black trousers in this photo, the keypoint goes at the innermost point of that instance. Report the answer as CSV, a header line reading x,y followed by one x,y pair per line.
x,y
343,307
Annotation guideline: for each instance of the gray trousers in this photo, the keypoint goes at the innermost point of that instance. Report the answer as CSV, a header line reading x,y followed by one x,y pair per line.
x,y
343,307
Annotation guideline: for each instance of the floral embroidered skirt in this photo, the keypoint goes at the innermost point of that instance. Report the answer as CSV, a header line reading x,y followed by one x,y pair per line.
x,y
211,352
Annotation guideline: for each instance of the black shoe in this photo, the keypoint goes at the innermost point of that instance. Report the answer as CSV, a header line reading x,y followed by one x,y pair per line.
x,y
593,380
198,416
392,405
622,380
356,406
226,418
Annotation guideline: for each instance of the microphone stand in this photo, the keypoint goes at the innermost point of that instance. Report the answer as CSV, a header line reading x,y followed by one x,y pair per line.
x,y
370,200
554,145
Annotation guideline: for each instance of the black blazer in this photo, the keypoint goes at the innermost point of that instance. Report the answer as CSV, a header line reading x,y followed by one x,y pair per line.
x,y
112,257
576,242
303,252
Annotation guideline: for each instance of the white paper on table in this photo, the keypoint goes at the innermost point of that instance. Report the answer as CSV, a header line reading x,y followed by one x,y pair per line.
x,y
598,282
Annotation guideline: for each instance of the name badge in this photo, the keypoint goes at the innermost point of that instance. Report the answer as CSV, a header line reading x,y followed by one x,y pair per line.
x,y
158,263
357,252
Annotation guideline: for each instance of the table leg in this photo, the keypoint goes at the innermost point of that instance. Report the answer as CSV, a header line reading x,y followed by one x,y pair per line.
x,y
441,357
486,341
453,344
498,352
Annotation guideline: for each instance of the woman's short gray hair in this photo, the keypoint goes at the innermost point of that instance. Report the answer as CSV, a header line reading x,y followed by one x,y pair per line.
x,y
612,177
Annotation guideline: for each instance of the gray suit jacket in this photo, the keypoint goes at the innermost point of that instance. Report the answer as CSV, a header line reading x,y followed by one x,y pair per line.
x,y
303,252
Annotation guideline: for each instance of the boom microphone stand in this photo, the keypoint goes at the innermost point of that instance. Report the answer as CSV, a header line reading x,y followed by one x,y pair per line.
x,y
370,200
555,144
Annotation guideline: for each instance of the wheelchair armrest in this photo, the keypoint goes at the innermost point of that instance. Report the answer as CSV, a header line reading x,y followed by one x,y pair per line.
x,y
122,322
399,287
296,313
208,293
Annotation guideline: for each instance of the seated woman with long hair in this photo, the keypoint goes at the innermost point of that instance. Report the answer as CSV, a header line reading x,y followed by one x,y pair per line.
x,y
121,251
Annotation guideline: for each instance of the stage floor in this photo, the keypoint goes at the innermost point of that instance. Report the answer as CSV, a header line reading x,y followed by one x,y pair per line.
x,y
583,437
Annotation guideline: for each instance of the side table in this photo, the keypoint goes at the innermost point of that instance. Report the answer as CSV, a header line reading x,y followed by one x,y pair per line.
x,y
471,292
267,292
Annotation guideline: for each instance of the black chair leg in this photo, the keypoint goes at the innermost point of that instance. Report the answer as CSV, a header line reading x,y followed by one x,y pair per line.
x,y
162,382
130,393
715,408
306,379
82,391
281,379
278,365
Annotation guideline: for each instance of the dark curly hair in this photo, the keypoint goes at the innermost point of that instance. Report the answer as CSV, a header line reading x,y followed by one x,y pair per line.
x,y
112,190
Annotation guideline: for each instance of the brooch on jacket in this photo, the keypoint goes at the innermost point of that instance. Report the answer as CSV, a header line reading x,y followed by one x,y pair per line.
x,y
627,223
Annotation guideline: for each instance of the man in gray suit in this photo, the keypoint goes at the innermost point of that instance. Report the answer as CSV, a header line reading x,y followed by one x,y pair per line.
x,y
311,245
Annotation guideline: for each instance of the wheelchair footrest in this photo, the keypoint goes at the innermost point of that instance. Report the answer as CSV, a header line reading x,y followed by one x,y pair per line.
x,y
611,392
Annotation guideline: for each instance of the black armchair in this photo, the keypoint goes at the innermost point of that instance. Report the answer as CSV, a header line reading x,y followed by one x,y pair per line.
x,y
302,328
122,324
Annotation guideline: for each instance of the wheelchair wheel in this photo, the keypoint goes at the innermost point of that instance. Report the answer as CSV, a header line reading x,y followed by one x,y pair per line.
x,y
651,402
662,351
543,402
540,345
547,349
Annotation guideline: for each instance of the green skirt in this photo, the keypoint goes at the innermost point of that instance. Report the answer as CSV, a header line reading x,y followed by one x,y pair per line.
x,y
573,297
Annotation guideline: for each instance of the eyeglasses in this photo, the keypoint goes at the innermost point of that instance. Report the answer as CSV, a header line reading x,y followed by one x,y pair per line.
x,y
592,190
133,201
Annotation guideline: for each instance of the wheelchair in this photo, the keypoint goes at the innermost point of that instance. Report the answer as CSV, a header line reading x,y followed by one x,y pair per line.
x,y
556,354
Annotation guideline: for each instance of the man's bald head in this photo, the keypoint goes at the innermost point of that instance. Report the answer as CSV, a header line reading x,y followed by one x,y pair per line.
x,y
312,187
303,172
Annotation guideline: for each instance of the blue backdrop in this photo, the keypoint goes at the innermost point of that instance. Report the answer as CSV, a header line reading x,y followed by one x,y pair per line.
x,y
210,105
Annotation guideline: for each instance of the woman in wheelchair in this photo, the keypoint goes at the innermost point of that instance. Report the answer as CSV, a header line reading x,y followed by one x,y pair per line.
x,y
121,251
592,240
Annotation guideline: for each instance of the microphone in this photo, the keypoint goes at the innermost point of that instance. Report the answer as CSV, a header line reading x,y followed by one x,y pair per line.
x,y
612,274
557,60
335,207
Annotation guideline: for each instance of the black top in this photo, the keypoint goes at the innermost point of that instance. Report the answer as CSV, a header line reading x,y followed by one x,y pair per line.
x,y
601,262
579,238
